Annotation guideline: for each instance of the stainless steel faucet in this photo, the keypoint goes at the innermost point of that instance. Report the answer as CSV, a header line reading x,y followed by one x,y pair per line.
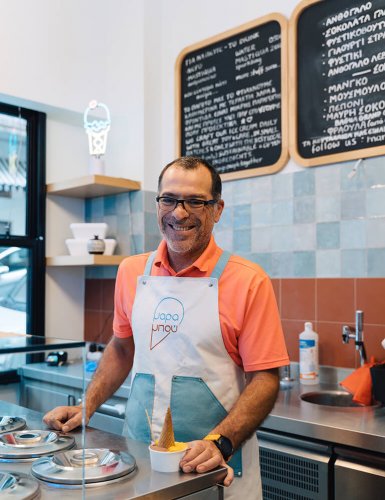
x,y
357,333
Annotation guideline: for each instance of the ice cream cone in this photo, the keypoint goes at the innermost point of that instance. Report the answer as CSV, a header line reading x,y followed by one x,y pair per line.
x,y
167,438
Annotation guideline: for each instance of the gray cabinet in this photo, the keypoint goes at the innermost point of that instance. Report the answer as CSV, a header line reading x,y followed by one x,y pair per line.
x,y
213,493
359,475
42,396
293,468
302,469
103,420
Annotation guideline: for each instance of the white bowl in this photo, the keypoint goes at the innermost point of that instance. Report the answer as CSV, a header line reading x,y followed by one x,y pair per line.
x,y
78,246
87,230
166,461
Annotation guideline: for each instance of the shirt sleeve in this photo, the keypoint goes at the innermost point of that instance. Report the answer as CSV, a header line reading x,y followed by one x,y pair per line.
x,y
123,301
261,342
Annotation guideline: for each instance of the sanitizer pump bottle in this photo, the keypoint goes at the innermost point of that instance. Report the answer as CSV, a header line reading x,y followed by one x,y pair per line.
x,y
308,356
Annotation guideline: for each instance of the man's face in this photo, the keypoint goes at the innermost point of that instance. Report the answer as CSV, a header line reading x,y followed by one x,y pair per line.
x,y
187,232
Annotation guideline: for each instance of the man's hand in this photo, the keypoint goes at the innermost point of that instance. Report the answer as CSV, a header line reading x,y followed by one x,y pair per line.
x,y
203,456
64,418
112,370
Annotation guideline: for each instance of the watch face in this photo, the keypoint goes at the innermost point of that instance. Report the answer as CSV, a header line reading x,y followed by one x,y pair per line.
x,y
225,447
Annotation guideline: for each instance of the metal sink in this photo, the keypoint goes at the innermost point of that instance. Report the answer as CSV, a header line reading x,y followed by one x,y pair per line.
x,y
333,398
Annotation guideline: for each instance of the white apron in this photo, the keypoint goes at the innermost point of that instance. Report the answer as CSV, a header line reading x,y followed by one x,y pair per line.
x,y
181,361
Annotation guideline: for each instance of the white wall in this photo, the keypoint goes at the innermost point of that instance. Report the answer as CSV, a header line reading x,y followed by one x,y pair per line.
x,y
57,55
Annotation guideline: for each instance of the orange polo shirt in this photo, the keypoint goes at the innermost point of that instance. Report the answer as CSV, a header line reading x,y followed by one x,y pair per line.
x,y
248,313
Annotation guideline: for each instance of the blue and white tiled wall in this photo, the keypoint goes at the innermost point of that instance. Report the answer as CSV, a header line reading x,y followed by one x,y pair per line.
x,y
326,221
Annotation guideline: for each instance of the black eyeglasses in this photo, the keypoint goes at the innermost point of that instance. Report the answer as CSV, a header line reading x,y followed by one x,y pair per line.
x,y
190,205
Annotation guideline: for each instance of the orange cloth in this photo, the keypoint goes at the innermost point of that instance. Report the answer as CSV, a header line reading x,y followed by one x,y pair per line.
x,y
359,383
248,312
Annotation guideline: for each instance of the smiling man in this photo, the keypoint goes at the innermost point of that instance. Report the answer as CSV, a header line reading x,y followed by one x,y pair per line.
x,y
199,330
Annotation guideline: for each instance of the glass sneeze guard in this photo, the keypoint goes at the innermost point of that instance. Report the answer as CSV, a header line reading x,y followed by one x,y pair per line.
x,y
26,443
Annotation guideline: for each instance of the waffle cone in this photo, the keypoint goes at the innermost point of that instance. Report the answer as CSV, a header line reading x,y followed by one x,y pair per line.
x,y
167,438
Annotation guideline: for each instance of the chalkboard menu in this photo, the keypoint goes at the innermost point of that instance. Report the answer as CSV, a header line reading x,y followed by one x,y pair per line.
x,y
339,54
231,99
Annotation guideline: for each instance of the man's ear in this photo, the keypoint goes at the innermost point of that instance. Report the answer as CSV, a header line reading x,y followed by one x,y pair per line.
x,y
220,205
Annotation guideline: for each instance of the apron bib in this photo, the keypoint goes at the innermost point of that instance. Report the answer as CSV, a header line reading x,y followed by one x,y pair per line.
x,y
181,361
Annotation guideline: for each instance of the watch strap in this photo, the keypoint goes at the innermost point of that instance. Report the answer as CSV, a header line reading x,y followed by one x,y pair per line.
x,y
223,444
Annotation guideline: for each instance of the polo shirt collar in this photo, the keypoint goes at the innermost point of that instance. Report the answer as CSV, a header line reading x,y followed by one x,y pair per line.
x,y
202,263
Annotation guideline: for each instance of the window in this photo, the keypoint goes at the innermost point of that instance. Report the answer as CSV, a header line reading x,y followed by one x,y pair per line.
x,y
22,220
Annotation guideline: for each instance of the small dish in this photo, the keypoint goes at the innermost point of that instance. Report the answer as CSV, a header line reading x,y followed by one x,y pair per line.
x,y
166,461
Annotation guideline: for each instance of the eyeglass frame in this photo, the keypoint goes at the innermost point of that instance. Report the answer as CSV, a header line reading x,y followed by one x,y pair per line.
x,y
205,203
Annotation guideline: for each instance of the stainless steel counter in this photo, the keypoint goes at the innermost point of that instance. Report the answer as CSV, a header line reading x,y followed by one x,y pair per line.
x,y
358,427
141,484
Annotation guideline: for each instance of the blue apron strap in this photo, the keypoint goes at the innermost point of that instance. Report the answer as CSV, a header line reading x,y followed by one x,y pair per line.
x,y
150,261
220,265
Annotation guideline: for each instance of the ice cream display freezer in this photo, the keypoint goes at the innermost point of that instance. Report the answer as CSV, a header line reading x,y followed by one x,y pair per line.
x,y
114,467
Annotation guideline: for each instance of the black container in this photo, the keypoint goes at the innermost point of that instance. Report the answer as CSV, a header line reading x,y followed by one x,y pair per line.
x,y
378,379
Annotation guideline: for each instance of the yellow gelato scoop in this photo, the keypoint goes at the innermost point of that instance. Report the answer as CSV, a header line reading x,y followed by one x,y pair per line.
x,y
177,446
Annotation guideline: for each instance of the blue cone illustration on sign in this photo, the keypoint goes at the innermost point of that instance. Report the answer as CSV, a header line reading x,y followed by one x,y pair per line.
x,y
168,315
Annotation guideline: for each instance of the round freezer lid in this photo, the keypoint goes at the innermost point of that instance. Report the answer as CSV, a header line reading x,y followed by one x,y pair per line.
x,y
99,465
9,424
29,444
17,486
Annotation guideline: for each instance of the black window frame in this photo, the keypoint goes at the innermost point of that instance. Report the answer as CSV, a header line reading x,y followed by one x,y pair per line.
x,y
34,238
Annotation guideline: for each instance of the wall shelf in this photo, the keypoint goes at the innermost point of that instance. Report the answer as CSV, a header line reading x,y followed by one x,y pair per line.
x,y
92,186
89,186
85,260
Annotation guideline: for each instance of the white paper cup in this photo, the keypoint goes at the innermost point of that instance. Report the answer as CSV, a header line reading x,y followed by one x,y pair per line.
x,y
166,461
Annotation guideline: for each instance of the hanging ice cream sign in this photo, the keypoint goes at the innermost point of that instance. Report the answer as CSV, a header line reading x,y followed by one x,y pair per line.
x,y
97,130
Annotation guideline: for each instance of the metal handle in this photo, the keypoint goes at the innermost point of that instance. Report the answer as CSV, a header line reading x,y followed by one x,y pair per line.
x,y
117,410
71,400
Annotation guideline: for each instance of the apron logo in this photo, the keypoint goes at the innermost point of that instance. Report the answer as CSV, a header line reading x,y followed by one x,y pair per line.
x,y
167,317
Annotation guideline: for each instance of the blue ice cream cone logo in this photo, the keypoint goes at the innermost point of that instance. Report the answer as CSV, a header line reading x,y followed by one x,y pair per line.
x,y
168,315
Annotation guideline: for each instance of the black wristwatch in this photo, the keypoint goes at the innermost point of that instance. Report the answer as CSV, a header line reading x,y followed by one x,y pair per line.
x,y
223,444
